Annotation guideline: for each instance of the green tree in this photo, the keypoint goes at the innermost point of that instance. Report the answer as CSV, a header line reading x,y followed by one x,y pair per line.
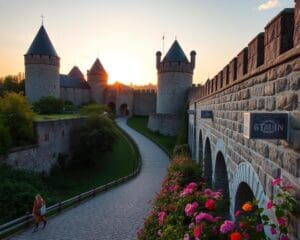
x,y
49,105
17,116
5,139
91,141
12,83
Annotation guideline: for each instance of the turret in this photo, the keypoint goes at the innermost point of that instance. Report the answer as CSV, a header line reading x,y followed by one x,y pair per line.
x,y
158,59
97,79
193,59
41,68
175,77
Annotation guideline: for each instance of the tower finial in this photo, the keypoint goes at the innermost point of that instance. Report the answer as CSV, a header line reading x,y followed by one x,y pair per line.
x,y
42,19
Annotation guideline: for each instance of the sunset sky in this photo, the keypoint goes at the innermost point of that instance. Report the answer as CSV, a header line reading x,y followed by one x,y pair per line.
x,y
125,34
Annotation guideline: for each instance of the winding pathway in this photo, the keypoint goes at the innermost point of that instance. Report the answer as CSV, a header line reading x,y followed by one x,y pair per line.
x,y
115,214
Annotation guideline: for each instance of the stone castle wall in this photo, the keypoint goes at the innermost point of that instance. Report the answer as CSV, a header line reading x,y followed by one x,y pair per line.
x,y
77,96
144,102
97,83
165,124
42,77
264,77
53,138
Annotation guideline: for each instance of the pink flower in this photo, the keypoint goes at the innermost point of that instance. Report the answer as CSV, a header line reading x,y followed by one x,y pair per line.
x,y
237,213
192,185
186,236
161,217
246,236
284,237
210,204
259,228
211,194
277,181
269,205
204,216
281,221
241,225
191,208
186,191
191,225
227,226
273,231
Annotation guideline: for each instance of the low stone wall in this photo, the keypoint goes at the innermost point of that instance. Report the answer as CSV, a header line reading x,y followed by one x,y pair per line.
x,y
166,124
53,138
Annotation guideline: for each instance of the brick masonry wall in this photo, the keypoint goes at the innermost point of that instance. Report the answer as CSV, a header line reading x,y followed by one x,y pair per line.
x,y
144,102
53,138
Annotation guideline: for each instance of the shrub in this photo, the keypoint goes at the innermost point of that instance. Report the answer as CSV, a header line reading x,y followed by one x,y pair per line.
x,y
91,141
5,139
17,116
182,150
49,105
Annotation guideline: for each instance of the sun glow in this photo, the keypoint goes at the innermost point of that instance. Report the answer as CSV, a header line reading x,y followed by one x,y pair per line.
x,y
123,69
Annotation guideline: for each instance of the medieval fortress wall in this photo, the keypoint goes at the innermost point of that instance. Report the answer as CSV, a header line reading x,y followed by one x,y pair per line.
x,y
144,102
53,138
264,77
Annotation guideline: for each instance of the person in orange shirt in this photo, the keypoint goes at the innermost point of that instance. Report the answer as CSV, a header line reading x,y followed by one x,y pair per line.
x,y
39,210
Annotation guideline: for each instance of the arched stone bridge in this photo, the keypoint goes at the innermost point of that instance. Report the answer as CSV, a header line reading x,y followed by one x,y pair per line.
x,y
264,78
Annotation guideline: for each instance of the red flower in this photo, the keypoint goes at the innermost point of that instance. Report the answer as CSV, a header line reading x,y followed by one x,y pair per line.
x,y
210,204
269,205
197,231
277,181
235,236
237,213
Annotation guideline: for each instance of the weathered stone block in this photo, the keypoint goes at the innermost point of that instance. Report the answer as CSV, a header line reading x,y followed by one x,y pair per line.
x,y
272,74
270,103
297,24
295,139
233,70
280,85
287,102
252,104
294,81
291,163
245,94
279,35
269,89
260,103
284,70
242,63
256,52
262,149
295,120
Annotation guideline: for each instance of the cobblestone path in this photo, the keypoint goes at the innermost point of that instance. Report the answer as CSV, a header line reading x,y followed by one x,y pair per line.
x,y
115,214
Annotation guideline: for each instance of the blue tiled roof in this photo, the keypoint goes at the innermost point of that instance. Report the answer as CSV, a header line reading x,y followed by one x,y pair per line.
x,y
41,44
67,81
175,54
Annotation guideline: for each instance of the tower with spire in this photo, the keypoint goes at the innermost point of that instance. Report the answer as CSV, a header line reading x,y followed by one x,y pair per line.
x,y
175,77
97,79
41,68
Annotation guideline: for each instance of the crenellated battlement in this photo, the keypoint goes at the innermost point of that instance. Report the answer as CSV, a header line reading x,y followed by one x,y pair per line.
x,y
278,44
175,67
42,59
145,92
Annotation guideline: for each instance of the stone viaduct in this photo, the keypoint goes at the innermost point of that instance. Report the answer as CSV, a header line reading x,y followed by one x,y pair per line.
x,y
264,77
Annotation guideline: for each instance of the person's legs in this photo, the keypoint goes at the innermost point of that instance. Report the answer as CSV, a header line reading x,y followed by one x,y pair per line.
x,y
44,221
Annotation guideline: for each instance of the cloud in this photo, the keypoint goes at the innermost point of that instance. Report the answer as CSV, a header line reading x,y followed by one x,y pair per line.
x,y
269,5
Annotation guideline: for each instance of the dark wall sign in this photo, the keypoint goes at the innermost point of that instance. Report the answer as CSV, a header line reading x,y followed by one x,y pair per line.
x,y
259,125
206,114
191,111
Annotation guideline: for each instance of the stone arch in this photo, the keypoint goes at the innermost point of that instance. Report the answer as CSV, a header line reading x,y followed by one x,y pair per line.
x,y
200,147
124,111
112,107
221,178
245,174
207,162
243,194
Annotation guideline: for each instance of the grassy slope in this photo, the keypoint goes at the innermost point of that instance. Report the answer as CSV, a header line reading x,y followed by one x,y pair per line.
x,y
60,187
140,124
45,117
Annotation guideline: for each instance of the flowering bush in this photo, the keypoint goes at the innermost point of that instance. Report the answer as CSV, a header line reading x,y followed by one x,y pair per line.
x,y
186,209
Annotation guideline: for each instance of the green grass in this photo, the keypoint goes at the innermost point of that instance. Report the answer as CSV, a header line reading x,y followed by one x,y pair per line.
x,y
17,188
45,117
138,123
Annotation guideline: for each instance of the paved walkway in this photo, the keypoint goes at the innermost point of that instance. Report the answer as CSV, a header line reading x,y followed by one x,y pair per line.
x,y
117,213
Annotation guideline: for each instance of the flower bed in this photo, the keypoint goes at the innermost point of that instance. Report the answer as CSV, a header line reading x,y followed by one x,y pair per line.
x,y
186,209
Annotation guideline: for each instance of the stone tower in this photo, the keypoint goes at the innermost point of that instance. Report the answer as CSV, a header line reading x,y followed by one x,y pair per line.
x,y
175,77
97,79
41,68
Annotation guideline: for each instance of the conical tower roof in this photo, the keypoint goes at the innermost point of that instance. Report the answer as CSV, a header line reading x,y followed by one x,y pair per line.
x,y
42,45
175,54
97,68
76,73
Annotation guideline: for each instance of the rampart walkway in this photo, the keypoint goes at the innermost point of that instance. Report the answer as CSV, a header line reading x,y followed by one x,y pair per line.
x,y
117,213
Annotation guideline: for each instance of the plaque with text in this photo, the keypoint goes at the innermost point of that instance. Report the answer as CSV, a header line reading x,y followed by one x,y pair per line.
x,y
259,125
206,114
191,111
